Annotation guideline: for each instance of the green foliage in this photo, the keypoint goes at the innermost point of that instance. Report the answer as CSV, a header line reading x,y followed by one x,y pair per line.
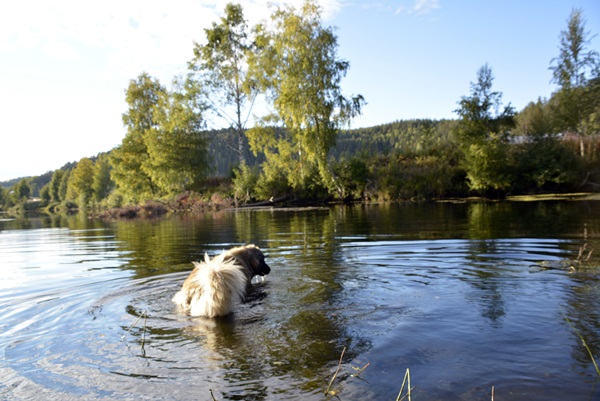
x,y
535,122
222,68
54,185
489,165
404,137
303,148
545,164
350,178
127,159
542,160
45,194
101,182
177,148
575,62
3,197
165,150
21,191
64,184
273,182
479,113
81,182
245,181
417,177
482,134
576,70
303,82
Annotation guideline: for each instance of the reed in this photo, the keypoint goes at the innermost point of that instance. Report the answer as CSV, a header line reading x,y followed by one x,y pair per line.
x,y
359,370
404,382
581,257
584,344
144,314
328,391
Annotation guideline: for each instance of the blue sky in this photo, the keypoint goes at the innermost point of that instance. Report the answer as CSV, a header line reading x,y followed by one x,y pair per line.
x,y
66,63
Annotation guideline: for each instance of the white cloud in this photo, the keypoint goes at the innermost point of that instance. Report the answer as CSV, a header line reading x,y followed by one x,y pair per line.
x,y
68,62
425,6
419,7
61,50
135,34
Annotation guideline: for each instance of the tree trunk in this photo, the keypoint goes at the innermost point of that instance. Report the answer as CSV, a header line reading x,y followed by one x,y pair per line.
x,y
241,147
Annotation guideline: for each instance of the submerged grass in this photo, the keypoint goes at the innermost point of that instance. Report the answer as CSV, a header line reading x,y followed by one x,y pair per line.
x,y
405,381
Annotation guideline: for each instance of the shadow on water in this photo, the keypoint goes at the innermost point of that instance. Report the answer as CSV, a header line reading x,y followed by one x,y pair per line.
x,y
450,291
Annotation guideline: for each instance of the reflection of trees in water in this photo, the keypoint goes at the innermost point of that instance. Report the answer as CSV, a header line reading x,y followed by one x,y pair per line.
x,y
487,279
298,331
156,246
310,328
486,223
292,330
536,220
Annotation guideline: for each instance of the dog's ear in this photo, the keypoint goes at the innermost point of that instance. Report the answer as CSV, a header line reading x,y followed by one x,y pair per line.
x,y
206,257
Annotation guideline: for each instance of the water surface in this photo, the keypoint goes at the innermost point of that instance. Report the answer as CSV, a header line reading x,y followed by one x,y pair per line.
x,y
452,292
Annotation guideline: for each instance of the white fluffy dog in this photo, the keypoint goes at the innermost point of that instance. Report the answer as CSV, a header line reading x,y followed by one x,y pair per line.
x,y
216,286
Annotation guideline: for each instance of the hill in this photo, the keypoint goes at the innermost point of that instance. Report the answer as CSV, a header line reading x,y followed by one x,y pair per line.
x,y
399,136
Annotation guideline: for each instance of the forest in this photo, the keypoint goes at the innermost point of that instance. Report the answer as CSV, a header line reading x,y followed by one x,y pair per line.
x,y
302,151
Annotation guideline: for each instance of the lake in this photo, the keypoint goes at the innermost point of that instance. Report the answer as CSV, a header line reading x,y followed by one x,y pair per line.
x,y
466,297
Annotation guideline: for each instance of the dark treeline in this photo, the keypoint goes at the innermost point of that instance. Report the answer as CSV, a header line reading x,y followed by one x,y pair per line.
x,y
301,152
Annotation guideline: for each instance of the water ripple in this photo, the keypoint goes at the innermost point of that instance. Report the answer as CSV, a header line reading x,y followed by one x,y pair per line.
x,y
84,318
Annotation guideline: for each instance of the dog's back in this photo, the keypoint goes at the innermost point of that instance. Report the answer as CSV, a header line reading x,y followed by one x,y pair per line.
x,y
214,288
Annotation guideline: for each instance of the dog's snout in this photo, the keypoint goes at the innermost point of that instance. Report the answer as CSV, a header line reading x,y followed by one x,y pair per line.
x,y
264,269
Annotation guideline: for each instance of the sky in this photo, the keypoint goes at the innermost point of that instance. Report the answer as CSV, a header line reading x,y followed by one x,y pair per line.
x,y
65,64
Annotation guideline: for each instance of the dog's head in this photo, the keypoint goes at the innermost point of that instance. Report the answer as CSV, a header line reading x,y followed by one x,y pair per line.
x,y
252,257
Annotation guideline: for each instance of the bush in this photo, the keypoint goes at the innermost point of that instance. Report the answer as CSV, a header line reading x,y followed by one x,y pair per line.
x,y
545,164
417,178
351,178
244,184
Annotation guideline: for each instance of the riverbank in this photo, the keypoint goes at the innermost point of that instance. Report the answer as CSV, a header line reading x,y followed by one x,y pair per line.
x,y
190,202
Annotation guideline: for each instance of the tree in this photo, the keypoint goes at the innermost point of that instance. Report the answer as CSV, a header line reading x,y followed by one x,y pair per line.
x,y
576,102
223,69
64,185
21,191
101,182
127,159
54,185
541,156
177,147
81,181
297,66
44,193
3,197
482,133
534,122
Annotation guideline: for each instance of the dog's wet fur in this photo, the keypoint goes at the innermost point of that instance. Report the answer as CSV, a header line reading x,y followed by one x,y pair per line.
x,y
216,286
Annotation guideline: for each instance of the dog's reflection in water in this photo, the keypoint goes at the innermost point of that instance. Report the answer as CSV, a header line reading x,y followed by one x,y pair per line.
x,y
229,336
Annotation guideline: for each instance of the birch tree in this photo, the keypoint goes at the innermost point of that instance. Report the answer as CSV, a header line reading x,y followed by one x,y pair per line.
x,y
127,159
482,134
221,66
576,71
298,68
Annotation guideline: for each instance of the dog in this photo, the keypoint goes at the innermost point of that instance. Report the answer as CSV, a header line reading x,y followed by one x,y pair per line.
x,y
215,287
